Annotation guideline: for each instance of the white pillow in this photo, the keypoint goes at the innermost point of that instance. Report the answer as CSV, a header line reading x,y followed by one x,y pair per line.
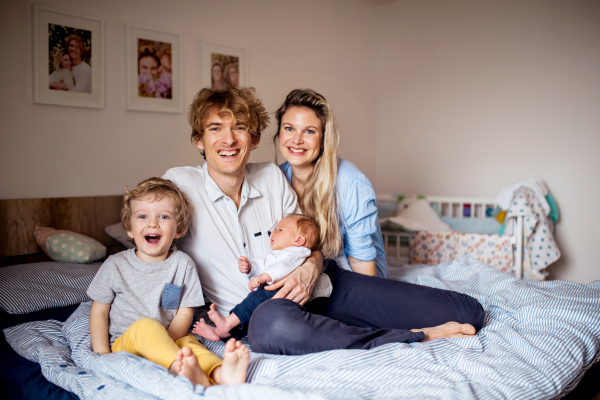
x,y
419,216
117,232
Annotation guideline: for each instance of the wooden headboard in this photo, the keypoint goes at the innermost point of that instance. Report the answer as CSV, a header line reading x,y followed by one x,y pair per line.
x,y
86,215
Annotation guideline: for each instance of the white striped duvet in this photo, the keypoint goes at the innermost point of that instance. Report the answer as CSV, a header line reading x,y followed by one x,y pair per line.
x,y
538,340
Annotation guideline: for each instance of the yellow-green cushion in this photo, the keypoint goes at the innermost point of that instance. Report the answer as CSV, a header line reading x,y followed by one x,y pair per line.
x,y
67,246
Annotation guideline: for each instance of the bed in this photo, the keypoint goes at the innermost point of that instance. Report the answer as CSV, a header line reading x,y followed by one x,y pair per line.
x,y
540,339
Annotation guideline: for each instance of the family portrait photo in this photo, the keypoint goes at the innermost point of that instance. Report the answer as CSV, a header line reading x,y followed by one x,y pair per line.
x,y
224,68
69,60
223,64
154,69
68,56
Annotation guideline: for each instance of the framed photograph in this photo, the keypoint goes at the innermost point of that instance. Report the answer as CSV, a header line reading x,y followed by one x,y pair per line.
x,y
221,64
68,57
153,70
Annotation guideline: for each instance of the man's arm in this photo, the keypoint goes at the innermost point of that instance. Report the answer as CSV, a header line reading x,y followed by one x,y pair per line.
x,y
298,285
181,323
99,327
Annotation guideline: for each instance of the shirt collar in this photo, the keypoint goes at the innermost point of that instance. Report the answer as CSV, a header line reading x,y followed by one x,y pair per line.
x,y
215,193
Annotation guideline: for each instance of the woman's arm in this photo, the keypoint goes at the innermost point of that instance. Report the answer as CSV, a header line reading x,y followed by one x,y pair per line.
x,y
363,267
358,204
298,285
181,323
99,327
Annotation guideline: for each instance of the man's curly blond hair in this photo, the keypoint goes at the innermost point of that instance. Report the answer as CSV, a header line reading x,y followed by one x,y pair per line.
x,y
241,105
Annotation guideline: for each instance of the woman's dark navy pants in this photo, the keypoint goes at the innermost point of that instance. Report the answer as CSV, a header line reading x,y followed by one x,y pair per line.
x,y
363,312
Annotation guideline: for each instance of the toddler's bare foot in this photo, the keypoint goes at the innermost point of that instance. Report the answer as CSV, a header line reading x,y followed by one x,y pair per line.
x,y
186,364
206,331
223,325
447,330
235,363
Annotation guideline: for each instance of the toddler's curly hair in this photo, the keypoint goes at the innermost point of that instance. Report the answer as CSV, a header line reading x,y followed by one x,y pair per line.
x,y
154,189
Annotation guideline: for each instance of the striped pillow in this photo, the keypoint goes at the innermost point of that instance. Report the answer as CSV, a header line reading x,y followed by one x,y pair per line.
x,y
26,288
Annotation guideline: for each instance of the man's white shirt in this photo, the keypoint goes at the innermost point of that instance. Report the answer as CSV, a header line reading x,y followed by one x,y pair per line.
x,y
220,233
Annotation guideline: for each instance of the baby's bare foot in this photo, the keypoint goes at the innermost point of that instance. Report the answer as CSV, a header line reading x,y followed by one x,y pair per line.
x,y
220,321
235,363
447,330
201,328
186,364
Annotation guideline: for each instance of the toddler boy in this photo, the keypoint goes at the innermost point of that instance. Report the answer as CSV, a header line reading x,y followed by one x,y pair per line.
x,y
144,298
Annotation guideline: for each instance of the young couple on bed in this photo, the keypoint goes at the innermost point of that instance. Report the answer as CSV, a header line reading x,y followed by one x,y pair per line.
x,y
324,274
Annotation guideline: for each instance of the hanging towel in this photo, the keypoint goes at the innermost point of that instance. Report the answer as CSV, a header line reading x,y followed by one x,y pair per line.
x,y
537,230
504,199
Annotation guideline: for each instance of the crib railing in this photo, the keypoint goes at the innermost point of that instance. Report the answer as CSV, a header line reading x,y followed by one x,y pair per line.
x,y
460,207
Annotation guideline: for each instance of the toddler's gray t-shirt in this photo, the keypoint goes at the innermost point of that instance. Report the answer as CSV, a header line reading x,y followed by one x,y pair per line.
x,y
139,289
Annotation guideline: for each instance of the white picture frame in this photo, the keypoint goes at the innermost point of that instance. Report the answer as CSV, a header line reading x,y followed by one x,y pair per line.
x,y
229,57
147,90
57,85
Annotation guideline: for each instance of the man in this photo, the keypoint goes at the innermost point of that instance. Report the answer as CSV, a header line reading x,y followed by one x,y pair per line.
x,y
82,72
236,204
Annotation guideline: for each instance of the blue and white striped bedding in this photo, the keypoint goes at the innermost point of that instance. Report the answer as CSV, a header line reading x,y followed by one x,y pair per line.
x,y
31,287
538,340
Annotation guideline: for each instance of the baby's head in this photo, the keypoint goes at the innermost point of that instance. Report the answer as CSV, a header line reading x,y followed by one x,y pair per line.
x,y
155,214
295,230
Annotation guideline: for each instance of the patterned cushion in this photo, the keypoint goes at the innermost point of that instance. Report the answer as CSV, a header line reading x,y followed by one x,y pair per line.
x,y
67,246
26,288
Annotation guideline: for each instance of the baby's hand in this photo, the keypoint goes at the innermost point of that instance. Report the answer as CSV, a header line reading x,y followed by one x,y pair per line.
x,y
244,264
256,281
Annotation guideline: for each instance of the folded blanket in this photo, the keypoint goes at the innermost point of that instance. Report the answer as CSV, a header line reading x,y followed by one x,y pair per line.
x,y
538,340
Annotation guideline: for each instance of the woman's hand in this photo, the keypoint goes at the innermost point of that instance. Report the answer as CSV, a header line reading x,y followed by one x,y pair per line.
x,y
298,285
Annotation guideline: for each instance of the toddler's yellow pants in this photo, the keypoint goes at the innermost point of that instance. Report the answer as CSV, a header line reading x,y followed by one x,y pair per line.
x,y
147,338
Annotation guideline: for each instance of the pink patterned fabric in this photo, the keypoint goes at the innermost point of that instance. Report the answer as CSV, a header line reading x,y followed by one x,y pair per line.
x,y
434,248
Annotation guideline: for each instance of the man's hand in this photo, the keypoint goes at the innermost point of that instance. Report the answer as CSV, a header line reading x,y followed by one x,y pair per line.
x,y
244,265
298,285
256,281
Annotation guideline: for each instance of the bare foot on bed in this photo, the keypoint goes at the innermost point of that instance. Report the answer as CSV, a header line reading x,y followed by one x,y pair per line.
x,y
224,324
201,328
447,330
186,364
235,364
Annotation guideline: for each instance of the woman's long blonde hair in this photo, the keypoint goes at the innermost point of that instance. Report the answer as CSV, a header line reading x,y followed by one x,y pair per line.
x,y
320,200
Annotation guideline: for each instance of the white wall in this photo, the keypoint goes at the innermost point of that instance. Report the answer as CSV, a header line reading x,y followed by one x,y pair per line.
x,y
453,97
474,95
54,151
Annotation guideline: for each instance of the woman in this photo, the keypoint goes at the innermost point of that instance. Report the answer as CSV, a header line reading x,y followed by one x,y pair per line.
x,y
148,65
332,191
363,311
216,75
62,77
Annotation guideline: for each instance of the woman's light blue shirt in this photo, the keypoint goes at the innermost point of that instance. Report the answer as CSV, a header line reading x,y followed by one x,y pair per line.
x,y
361,234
